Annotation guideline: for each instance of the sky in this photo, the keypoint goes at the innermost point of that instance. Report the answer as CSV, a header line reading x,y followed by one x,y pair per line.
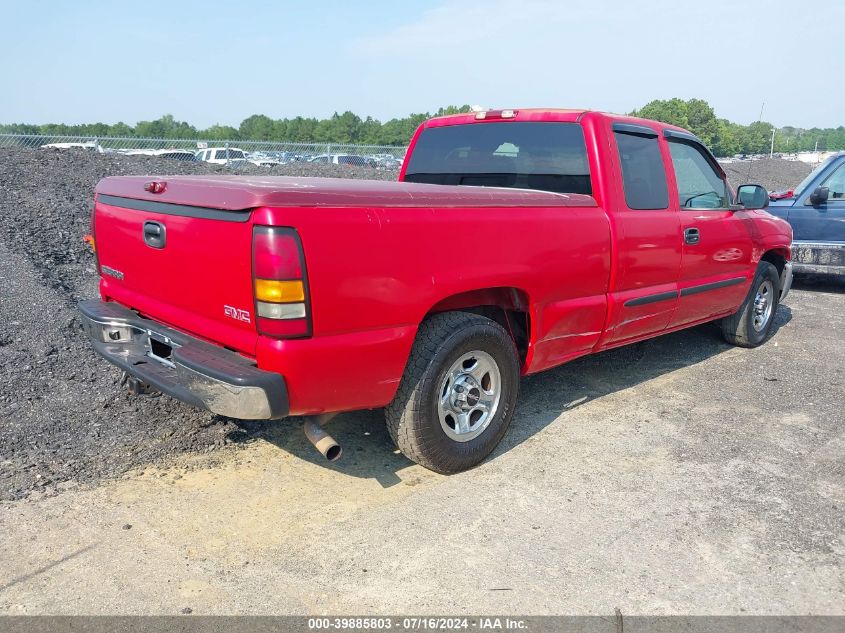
x,y
212,61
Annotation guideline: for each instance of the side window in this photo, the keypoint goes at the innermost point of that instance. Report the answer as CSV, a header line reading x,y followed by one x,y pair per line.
x,y
643,172
836,184
699,185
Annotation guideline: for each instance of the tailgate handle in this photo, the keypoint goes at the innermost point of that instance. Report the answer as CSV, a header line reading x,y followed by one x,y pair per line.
x,y
154,234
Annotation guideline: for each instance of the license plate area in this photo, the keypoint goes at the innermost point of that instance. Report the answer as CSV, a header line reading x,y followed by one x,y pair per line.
x,y
160,348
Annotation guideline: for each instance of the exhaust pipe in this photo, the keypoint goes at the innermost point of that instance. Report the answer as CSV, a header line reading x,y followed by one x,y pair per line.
x,y
322,441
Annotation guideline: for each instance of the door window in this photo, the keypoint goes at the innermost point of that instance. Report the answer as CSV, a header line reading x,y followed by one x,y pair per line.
x,y
643,173
836,184
700,186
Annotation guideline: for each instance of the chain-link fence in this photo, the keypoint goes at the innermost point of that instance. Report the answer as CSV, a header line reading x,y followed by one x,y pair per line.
x,y
231,153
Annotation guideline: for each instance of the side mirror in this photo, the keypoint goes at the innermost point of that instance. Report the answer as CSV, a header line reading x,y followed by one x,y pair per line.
x,y
819,196
752,196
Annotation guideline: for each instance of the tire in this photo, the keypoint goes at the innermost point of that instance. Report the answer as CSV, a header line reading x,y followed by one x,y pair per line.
x,y
461,365
750,325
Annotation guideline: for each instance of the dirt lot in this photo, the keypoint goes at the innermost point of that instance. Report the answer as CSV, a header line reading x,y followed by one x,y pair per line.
x,y
680,475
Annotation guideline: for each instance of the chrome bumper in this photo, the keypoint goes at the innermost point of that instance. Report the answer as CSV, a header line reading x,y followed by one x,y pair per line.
x,y
182,366
819,257
785,280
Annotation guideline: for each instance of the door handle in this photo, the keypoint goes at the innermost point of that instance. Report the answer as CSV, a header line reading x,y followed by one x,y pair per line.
x,y
154,234
692,236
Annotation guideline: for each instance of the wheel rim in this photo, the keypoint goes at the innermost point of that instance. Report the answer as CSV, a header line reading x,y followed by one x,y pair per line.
x,y
469,396
763,306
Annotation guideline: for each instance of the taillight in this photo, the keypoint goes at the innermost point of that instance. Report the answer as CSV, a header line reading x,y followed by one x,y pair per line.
x,y
279,283
91,238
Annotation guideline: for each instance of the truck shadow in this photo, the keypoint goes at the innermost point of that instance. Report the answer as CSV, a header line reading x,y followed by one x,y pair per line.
x,y
819,283
369,452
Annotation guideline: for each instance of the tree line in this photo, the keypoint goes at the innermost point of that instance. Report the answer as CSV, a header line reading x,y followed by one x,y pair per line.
x,y
339,128
724,137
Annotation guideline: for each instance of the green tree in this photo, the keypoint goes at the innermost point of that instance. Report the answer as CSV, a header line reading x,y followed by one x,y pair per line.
x,y
258,127
19,128
165,127
120,129
220,133
671,111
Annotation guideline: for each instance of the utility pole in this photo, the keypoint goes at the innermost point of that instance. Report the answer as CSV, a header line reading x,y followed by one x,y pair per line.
x,y
772,148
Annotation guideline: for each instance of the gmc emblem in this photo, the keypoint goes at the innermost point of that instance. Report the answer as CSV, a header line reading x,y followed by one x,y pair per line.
x,y
237,314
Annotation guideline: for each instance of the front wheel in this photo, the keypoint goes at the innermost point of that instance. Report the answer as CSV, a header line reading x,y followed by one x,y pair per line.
x,y
750,325
457,396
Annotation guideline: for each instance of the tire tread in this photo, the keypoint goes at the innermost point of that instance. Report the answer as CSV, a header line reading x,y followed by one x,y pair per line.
x,y
735,328
407,405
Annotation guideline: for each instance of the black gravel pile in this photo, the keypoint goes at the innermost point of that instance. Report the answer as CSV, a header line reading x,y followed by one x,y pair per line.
x,y
64,419
775,174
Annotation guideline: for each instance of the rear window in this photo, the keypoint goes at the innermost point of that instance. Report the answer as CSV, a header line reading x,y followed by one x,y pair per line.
x,y
526,155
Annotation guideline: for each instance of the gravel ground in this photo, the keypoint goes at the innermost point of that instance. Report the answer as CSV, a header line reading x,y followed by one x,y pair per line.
x,y
63,418
680,476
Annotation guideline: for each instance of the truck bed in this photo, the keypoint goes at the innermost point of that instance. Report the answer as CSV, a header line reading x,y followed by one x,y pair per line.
x,y
249,192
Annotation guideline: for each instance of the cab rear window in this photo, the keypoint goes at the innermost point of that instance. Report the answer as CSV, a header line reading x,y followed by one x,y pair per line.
x,y
643,173
547,156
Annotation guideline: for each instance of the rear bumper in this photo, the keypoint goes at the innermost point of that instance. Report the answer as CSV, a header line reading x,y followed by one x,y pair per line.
x,y
192,370
819,257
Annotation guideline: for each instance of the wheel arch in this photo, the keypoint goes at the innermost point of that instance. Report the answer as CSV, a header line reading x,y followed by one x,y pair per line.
x,y
777,256
508,306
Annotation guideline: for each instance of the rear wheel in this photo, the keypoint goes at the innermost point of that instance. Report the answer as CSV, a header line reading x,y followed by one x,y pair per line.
x,y
750,325
456,398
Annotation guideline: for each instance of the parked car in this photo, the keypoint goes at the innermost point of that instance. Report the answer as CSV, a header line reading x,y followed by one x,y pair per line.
x,y
90,145
262,160
816,210
387,162
221,155
515,241
176,154
350,160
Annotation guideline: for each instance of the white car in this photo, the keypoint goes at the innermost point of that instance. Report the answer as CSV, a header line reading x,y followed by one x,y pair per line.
x,y
176,154
89,145
221,155
262,160
350,160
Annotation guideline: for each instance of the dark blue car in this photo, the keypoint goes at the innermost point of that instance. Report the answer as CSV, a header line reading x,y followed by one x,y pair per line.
x,y
816,211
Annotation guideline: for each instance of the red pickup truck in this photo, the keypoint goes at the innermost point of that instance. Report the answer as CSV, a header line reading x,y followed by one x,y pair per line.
x,y
516,240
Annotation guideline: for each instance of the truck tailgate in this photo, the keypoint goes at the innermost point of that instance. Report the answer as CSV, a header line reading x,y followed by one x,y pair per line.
x,y
186,266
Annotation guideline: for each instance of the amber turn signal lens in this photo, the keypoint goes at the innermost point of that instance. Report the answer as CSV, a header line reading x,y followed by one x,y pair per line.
x,y
89,239
279,291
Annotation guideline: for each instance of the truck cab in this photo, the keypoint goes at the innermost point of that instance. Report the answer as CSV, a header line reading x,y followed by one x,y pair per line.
x,y
816,211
